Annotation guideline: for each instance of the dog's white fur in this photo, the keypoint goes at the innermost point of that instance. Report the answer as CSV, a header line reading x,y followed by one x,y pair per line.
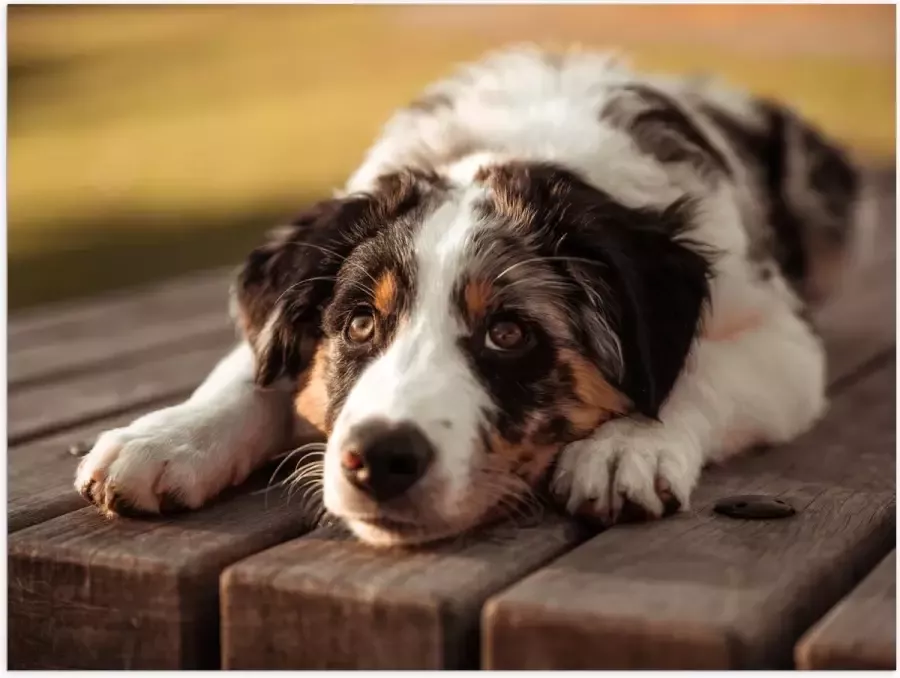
x,y
756,374
423,377
194,450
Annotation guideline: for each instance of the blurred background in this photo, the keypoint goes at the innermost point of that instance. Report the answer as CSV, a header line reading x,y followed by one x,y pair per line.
x,y
149,141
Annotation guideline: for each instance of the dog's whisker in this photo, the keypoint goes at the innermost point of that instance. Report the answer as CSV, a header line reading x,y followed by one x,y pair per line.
x,y
309,449
341,258
533,260
295,285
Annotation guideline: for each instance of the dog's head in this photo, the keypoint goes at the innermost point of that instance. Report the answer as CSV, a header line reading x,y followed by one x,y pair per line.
x,y
451,339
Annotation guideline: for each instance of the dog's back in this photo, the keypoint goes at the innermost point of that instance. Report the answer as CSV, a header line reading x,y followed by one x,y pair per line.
x,y
799,194
811,194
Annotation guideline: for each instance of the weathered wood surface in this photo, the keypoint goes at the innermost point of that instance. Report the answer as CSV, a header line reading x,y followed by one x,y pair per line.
x,y
172,338
40,474
49,407
52,342
76,364
91,593
382,609
697,589
705,591
861,631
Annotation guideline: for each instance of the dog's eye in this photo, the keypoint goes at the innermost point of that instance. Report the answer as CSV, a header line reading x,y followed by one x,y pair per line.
x,y
506,335
361,327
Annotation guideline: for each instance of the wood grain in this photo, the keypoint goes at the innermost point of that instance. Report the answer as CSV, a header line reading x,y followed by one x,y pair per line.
x,y
43,409
701,590
328,602
861,631
86,592
56,343
52,320
40,474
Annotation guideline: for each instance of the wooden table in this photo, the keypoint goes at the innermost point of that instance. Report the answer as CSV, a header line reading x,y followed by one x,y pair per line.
x,y
246,584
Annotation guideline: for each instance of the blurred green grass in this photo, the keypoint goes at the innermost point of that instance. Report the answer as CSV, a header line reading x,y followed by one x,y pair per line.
x,y
147,141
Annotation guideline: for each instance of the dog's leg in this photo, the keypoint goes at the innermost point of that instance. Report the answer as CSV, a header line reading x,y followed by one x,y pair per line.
x,y
186,454
764,384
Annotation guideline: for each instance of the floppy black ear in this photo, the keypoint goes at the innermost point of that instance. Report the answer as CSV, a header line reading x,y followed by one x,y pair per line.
x,y
280,290
650,284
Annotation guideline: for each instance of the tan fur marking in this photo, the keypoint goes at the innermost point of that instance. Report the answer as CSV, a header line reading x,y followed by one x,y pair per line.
x,y
510,184
599,399
533,469
386,293
478,296
311,402
526,459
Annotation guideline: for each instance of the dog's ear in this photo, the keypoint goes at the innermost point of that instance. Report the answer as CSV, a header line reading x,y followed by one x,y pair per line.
x,y
280,291
283,287
644,289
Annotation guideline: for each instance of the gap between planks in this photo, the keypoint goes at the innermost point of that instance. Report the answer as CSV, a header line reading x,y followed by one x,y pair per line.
x,y
99,335
49,408
860,633
41,474
83,588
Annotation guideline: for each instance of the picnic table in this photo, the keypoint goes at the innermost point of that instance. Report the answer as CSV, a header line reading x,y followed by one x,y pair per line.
x,y
251,583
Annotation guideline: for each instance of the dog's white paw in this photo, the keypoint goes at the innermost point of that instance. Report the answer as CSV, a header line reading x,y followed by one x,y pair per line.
x,y
627,469
164,461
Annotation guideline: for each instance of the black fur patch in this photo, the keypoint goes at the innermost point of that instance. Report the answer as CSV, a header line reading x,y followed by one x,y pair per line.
x,y
651,280
284,286
519,386
662,128
804,224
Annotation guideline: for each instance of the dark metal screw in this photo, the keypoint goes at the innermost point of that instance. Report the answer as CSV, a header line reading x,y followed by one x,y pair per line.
x,y
754,507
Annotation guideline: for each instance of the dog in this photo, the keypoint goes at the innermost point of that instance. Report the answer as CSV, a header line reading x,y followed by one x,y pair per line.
x,y
548,268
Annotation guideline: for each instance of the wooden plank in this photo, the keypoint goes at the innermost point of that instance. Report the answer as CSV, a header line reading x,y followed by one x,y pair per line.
x,y
861,631
42,409
860,324
326,601
56,319
40,474
53,362
700,590
86,592
55,343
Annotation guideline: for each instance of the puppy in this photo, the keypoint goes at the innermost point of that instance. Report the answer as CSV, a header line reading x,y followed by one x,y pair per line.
x,y
548,264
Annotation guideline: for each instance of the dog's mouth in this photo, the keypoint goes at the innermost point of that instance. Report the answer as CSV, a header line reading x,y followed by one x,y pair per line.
x,y
389,529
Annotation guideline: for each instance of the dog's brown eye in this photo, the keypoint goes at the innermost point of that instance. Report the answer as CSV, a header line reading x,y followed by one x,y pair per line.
x,y
361,327
505,335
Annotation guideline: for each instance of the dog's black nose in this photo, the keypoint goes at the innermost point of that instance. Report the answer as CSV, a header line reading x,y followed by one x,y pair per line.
x,y
384,460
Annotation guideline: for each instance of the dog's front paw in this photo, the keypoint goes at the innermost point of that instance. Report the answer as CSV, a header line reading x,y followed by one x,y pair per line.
x,y
156,465
627,469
